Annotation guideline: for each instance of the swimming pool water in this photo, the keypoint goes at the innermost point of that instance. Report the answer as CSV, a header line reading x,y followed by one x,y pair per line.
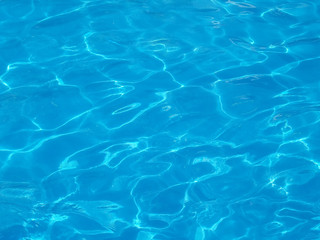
x,y
160,119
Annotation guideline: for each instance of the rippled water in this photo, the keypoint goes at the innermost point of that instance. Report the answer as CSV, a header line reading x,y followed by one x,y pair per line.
x,y
160,119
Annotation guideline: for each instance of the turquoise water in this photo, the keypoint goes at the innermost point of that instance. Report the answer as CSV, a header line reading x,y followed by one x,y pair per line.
x,y
160,119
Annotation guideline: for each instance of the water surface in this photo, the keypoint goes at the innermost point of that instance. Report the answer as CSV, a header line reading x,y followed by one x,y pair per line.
x,y
158,120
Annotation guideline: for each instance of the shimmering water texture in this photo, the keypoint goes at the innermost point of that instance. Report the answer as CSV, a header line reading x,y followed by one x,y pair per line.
x,y
160,120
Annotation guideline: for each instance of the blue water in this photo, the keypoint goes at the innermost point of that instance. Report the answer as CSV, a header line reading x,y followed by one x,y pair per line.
x,y
160,119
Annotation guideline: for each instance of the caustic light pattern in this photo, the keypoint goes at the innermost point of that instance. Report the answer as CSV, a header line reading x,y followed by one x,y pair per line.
x,y
160,119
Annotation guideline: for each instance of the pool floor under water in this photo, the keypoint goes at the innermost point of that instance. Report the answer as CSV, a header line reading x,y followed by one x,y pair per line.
x,y
160,120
